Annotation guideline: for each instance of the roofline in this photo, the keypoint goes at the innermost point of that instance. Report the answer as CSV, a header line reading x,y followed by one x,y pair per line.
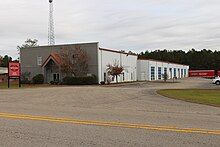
x,y
60,45
116,51
47,60
163,61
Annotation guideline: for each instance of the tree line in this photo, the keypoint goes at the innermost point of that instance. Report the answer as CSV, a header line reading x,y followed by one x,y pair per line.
x,y
201,60
4,60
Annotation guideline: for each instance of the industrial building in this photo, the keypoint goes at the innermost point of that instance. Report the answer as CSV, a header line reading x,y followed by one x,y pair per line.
x,y
46,60
150,70
127,60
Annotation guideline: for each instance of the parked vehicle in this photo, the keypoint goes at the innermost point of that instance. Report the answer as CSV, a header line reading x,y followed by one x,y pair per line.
x,y
202,73
216,81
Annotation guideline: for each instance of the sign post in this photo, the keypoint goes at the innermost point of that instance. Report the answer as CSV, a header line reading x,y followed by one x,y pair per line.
x,y
14,72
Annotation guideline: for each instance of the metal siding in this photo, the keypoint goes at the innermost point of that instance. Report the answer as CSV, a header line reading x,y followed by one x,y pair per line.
x,y
29,56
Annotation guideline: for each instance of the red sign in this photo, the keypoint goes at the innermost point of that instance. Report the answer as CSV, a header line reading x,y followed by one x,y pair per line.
x,y
14,69
202,73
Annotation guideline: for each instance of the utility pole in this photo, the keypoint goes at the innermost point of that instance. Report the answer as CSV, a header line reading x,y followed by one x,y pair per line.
x,y
51,36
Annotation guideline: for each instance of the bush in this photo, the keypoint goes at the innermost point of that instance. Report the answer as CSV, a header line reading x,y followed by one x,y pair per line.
x,y
102,82
25,81
54,82
165,77
38,79
25,78
90,80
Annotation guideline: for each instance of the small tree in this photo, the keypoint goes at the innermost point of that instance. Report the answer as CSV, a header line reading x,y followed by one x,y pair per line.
x,y
28,43
115,70
74,61
165,77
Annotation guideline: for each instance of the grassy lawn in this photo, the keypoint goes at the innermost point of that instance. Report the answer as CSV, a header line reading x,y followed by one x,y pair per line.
x,y
207,97
14,85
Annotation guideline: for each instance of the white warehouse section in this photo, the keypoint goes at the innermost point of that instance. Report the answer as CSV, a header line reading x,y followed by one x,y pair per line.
x,y
126,60
137,69
150,70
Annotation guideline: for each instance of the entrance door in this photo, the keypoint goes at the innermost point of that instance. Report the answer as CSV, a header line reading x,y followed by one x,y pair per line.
x,y
56,77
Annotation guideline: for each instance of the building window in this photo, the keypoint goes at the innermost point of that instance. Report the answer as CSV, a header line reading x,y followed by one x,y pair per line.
x,y
159,73
165,70
178,73
182,73
174,72
165,73
152,73
39,61
105,77
123,76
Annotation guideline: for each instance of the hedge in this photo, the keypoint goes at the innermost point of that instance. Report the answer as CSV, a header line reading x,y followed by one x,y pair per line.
x,y
38,79
90,80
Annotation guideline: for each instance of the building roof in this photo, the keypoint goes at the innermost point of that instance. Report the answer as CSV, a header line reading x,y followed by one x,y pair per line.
x,y
55,57
161,61
60,45
116,51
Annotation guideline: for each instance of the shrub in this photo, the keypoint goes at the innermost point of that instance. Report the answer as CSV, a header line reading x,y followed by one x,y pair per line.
x,y
25,81
90,80
165,77
54,82
102,82
25,78
38,79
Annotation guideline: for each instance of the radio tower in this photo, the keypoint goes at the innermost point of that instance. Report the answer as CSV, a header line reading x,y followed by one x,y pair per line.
x,y
51,37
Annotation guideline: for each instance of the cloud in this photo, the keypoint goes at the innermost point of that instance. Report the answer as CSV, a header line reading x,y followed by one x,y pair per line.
x,y
128,25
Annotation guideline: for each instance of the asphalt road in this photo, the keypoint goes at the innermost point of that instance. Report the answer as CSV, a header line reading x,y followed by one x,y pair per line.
x,y
122,115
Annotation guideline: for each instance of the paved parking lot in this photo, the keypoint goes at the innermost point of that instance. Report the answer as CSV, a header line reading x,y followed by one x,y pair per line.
x,y
102,107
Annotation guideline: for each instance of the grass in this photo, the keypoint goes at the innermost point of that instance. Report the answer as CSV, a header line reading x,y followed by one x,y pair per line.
x,y
14,85
200,96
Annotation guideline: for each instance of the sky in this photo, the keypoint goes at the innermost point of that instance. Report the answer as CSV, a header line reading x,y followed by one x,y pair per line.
x,y
130,25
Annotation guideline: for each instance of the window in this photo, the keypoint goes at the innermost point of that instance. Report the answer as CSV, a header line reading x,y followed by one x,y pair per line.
x,y
185,72
174,72
178,73
152,73
105,77
182,73
165,70
39,61
123,76
159,73
165,73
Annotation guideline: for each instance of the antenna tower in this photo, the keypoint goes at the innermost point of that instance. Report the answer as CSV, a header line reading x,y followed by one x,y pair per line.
x,y
51,36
